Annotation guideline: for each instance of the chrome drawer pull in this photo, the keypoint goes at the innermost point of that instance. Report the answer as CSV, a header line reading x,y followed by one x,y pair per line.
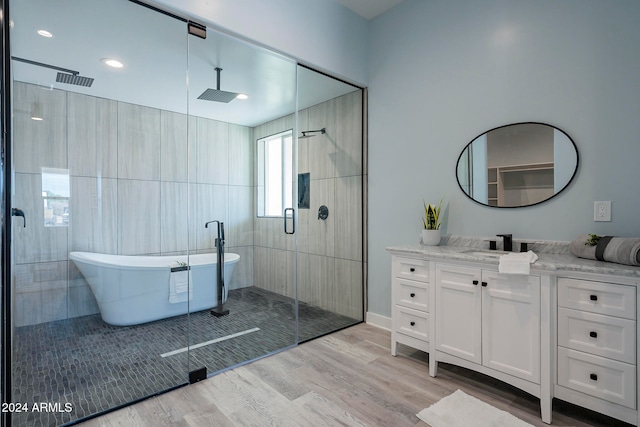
x,y
593,297
594,377
593,334
413,323
412,295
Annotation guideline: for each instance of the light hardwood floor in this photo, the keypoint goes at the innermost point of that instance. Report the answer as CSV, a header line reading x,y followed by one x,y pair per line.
x,y
346,378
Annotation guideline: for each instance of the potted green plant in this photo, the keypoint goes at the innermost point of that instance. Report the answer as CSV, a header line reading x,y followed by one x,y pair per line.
x,y
431,223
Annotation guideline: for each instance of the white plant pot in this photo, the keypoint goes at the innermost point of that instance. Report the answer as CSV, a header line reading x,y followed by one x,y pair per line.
x,y
431,237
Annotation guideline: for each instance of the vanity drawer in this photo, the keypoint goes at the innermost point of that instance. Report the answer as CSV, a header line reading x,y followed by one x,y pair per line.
x,y
412,269
412,294
411,322
596,376
597,297
597,334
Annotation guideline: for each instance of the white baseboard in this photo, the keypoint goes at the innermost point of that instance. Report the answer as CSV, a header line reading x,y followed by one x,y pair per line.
x,y
379,321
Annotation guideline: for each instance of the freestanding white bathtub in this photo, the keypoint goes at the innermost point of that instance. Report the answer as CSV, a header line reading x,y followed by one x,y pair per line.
x,y
136,289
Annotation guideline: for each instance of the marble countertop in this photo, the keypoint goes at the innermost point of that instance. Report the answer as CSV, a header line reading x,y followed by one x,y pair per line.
x,y
546,261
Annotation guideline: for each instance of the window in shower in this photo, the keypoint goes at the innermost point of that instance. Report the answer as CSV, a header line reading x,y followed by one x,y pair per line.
x,y
55,194
275,174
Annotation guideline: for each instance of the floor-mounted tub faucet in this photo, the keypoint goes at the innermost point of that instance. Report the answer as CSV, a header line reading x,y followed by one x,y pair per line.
x,y
219,310
220,237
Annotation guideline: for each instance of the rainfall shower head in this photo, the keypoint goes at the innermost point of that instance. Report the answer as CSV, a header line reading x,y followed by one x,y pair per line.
x,y
218,95
305,132
74,79
65,75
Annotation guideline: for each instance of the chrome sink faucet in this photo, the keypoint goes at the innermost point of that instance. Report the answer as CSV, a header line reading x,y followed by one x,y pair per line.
x,y
507,242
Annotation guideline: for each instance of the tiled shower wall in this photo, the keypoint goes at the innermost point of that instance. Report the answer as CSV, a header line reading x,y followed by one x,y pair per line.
x,y
330,258
129,192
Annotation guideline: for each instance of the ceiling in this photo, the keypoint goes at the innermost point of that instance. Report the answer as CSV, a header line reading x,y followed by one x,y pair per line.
x,y
369,9
164,66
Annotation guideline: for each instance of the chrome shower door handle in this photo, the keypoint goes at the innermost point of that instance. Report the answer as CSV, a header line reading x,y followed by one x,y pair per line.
x,y
293,221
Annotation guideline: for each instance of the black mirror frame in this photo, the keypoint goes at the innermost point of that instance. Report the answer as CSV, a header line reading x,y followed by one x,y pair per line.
x,y
573,175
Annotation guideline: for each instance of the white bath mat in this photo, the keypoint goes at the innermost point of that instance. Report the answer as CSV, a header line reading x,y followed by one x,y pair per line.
x,y
461,410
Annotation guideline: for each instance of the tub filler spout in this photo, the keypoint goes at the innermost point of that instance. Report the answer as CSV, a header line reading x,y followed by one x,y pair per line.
x,y
219,310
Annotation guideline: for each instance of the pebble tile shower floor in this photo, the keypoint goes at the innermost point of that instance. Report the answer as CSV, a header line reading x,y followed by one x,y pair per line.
x,y
94,366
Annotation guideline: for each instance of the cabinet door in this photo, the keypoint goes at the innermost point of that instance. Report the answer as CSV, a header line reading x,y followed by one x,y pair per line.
x,y
458,312
511,324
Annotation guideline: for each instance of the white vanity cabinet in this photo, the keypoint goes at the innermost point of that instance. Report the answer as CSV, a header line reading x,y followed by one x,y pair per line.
x,y
597,345
489,319
567,331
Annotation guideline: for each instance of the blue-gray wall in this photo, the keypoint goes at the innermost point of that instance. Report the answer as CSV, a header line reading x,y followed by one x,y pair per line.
x,y
442,72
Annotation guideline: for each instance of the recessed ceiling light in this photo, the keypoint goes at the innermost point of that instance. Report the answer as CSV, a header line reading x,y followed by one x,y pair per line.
x,y
45,33
114,63
242,96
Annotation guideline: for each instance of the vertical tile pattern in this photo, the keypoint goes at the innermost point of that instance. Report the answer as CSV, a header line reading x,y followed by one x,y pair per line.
x,y
93,136
138,217
138,142
329,260
212,149
93,219
322,232
43,143
241,153
348,294
271,269
323,150
241,213
348,160
348,218
174,217
174,148
40,292
211,202
303,144
243,272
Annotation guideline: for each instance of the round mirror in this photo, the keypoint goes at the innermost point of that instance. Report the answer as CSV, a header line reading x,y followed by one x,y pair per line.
x,y
517,165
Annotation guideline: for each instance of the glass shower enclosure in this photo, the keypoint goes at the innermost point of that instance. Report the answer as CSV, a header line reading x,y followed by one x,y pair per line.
x,y
128,180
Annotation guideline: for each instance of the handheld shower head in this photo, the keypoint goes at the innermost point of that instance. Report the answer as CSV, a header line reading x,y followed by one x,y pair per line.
x,y
305,132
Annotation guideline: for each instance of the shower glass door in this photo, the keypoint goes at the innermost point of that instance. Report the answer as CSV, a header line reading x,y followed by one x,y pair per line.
x,y
100,174
331,173
242,174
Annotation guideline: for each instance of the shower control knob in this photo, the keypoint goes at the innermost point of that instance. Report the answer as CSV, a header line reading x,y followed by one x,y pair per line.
x,y
323,212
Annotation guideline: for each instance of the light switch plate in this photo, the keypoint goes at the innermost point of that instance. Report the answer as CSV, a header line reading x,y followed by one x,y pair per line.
x,y
602,211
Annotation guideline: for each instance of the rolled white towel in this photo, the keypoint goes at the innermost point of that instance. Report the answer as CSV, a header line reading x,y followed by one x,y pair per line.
x,y
517,262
